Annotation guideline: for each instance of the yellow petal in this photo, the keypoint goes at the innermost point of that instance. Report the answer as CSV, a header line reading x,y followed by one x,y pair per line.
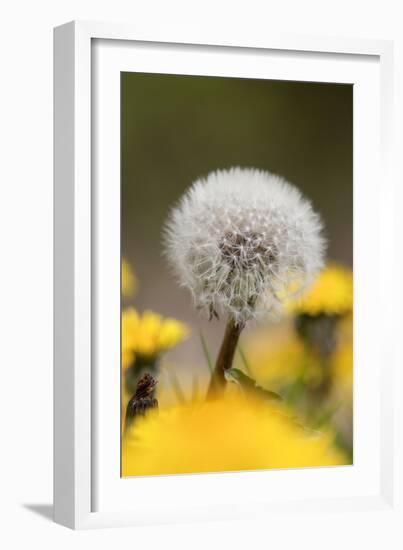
x,y
331,293
172,333
228,434
129,281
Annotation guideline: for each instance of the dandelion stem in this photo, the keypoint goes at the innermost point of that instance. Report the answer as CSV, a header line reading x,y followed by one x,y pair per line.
x,y
225,358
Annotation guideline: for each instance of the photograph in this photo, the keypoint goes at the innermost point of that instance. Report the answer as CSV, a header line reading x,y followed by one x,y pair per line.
x,y
202,226
236,274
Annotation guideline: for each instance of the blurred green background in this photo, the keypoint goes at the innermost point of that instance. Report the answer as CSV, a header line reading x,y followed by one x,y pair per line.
x,y
177,128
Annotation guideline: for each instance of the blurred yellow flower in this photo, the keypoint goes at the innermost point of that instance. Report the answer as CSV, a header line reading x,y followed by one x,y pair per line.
x,y
341,361
230,434
342,370
274,355
277,358
149,334
129,281
331,293
128,357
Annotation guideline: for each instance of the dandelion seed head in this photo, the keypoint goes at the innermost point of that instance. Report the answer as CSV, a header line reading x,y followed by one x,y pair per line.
x,y
239,239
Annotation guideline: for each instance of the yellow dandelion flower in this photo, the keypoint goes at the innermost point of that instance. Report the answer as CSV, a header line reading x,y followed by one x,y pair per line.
x,y
341,361
129,281
128,357
276,356
342,368
229,434
331,293
149,334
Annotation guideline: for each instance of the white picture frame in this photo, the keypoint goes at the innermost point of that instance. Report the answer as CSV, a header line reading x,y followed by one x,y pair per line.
x,y
88,491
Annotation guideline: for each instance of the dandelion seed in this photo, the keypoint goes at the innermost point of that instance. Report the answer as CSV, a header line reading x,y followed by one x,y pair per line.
x,y
241,237
238,240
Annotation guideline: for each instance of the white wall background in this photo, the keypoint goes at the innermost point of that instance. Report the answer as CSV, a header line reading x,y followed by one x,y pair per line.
x,y
26,260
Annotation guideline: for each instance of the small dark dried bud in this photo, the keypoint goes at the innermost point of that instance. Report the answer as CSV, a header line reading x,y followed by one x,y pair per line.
x,y
145,386
142,400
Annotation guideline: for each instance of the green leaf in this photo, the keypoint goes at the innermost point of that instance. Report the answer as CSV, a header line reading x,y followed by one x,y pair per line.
x,y
327,416
249,384
244,360
206,353
180,396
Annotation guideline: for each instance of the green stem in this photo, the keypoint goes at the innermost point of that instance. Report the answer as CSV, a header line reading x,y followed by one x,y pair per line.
x,y
225,358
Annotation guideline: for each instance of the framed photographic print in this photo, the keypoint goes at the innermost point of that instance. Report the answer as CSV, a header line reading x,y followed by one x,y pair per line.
x,y
221,223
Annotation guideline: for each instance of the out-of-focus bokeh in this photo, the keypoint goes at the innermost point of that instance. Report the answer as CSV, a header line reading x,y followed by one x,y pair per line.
x,y
175,129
